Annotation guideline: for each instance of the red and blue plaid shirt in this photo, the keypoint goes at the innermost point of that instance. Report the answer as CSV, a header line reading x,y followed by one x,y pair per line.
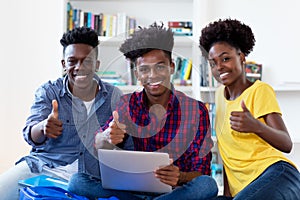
x,y
184,131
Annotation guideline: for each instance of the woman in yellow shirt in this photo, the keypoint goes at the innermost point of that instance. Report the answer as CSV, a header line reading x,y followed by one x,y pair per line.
x,y
250,131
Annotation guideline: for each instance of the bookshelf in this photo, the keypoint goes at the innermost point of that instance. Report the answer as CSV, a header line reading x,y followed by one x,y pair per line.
x,y
143,11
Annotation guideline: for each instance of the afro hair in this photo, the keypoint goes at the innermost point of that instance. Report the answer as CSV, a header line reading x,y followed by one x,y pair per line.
x,y
231,31
80,35
147,39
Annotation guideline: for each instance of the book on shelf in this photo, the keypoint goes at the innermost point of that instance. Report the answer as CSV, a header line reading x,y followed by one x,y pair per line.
x,y
203,72
188,70
69,16
76,17
132,25
132,80
211,107
121,23
253,71
105,24
100,21
177,67
96,23
180,24
112,26
182,71
183,67
206,77
81,18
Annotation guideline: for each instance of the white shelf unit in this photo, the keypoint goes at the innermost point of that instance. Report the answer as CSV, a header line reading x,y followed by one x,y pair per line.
x,y
145,12
288,98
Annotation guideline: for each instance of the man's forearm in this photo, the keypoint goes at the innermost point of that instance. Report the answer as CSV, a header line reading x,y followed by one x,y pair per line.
x,y
37,133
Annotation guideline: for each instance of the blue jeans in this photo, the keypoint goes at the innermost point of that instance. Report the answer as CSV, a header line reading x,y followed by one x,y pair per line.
x,y
202,187
280,181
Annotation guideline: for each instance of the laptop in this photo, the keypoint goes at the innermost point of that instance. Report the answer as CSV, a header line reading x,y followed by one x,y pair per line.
x,y
132,170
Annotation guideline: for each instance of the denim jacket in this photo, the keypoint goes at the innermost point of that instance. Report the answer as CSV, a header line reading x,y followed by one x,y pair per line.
x,y
79,128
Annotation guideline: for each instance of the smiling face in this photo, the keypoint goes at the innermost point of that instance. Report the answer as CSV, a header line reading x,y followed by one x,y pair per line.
x,y
80,62
154,70
226,63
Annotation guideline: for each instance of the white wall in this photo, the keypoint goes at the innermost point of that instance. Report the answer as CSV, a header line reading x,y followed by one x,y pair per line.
x,y
276,28
30,53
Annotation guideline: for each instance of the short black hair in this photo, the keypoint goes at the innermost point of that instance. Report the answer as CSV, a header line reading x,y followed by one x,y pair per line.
x,y
229,30
145,40
80,35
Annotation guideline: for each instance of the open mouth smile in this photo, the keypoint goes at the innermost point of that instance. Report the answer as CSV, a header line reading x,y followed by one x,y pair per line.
x,y
155,83
223,75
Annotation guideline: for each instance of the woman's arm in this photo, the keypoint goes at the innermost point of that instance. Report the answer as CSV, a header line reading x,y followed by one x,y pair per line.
x,y
274,131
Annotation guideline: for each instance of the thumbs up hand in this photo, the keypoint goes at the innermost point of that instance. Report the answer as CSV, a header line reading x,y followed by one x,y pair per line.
x,y
117,129
243,121
55,109
52,125
111,136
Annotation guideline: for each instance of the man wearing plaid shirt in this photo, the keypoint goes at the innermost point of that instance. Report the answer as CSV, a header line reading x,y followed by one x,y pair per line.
x,y
158,118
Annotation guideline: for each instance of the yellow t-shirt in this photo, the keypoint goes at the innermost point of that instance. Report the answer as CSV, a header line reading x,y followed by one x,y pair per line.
x,y
245,155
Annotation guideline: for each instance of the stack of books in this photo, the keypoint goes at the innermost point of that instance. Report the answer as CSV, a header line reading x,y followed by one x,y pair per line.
x,y
111,77
181,28
253,71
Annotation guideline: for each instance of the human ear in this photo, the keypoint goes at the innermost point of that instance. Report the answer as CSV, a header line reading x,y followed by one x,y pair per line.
x,y
242,57
63,64
97,65
172,66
